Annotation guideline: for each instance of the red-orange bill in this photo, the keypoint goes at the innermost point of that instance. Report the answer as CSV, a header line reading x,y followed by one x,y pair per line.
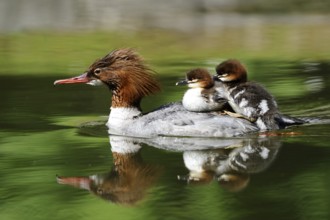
x,y
77,79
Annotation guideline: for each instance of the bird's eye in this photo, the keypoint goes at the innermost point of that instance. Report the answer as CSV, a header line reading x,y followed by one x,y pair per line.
x,y
97,71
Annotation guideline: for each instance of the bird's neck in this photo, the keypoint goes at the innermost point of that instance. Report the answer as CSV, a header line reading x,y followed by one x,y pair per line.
x,y
126,99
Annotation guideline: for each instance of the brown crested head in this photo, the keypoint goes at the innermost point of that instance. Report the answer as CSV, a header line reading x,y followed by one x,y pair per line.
x,y
231,71
126,74
198,78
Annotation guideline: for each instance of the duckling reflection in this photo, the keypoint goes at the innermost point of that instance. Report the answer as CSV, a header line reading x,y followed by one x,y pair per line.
x,y
127,182
230,166
228,161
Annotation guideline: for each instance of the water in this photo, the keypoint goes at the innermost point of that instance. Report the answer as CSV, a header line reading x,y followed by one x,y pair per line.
x,y
41,136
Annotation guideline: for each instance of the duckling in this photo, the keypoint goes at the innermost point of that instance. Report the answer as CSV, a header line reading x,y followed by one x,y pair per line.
x,y
202,95
249,99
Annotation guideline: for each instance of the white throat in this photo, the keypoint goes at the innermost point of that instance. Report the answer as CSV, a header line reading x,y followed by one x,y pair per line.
x,y
121,116
95,82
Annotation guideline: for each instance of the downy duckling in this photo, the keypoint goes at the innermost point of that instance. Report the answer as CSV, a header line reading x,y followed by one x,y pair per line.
x,y
201,95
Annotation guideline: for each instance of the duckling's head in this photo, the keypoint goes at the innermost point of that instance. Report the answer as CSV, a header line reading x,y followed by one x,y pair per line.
x,y
198,78
231,71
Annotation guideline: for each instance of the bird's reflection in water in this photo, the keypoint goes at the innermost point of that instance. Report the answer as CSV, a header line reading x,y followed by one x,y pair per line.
x,y
128,180
230,166
228,161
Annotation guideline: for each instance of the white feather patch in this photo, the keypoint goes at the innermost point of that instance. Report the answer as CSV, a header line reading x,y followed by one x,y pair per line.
x,y
95,82
243,103
193,100
262,126
120,116
263,106
239,93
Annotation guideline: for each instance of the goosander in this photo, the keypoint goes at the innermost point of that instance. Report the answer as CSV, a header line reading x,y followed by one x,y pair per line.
x,y
202,95
124,72
248,98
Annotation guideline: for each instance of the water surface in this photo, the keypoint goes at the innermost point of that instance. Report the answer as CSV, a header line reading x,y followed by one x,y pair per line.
x,y
41,136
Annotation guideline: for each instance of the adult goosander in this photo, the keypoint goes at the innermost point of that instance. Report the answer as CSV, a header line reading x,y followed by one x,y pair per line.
x,y
202,95
250,99
125,74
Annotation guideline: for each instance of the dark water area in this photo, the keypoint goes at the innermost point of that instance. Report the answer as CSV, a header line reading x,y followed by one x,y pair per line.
x,y
53,138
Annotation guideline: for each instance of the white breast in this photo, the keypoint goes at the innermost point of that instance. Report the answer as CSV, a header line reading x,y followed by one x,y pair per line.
x,y
120,118
194,101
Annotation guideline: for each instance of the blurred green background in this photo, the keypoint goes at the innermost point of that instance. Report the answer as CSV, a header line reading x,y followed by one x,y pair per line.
x,y
51,37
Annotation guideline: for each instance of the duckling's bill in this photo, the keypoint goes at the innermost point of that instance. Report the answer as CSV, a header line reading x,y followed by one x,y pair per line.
x,y
181,83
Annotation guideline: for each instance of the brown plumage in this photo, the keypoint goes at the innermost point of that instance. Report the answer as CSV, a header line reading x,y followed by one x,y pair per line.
x,y
126,74
232,72
201,77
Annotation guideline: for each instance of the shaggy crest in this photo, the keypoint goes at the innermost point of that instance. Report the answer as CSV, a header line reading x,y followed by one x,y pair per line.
x,y
125,54
127,76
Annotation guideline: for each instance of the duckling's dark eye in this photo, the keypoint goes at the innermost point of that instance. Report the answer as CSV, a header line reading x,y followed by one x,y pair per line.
x,y
97,71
